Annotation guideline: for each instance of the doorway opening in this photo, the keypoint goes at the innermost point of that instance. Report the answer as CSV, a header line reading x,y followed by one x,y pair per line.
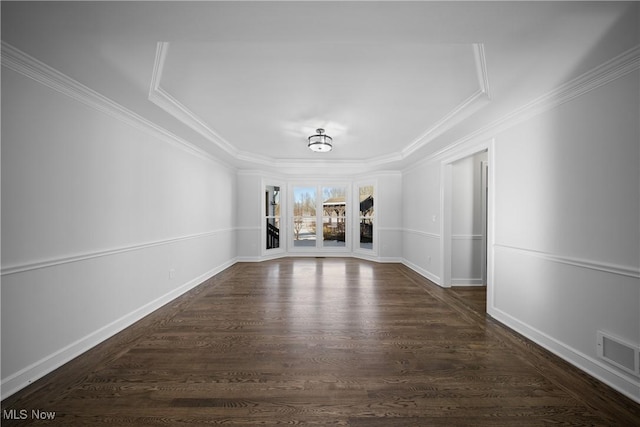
x,y
465,216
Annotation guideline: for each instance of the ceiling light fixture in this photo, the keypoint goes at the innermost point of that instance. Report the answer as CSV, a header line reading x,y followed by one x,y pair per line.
x,y
320,142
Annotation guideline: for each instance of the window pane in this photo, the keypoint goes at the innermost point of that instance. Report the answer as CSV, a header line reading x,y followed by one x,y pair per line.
x,y
304,216
333,231
366,201
366,217
334,203
304,230
366,233
272,214
272,200
304,201
273,233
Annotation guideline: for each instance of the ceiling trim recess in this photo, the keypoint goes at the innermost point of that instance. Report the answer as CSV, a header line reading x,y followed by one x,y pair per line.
x,y
462,110
164,100
171,105
14,59
616,67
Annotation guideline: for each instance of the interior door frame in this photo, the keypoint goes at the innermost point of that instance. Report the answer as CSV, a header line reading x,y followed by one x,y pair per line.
x,y
446,219
484,211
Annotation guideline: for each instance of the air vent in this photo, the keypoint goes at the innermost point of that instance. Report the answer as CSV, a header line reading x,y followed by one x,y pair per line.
x,y
619,353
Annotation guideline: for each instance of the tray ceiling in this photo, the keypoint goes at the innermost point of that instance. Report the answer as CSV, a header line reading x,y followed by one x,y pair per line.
x,y
390,81
263,99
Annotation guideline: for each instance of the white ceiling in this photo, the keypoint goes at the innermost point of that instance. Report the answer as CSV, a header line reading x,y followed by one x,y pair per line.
x,y
266,98
389,81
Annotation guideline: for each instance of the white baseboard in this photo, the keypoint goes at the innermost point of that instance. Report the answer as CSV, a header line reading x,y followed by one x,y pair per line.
x,y
467,282
389,260
42,367
421,271
617,380
357,255
254,258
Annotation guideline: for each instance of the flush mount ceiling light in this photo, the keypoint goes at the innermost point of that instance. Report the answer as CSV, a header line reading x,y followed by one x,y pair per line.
x,y
320,142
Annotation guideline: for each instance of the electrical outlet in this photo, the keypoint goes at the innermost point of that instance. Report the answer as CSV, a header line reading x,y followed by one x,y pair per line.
x,y
172,273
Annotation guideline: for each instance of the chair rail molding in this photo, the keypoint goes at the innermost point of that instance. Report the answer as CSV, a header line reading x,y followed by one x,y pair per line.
x,y
622,270
20,268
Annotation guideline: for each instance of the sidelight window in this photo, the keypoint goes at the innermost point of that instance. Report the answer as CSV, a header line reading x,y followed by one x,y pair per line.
x,y
366,216
272,216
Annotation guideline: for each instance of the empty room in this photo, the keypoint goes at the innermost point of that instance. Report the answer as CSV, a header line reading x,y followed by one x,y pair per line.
x,y
360,213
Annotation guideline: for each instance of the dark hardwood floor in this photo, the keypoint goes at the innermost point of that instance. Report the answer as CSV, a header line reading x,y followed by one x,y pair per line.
x,y
321,342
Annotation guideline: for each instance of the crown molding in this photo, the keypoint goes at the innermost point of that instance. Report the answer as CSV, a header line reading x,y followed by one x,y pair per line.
x,y
20,62
619,66
481,69
14,59
454,116
462,110
607,72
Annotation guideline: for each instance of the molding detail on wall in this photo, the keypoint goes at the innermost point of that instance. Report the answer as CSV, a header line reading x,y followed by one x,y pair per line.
x,y
30,67
577,262
466,237
421,233
20,268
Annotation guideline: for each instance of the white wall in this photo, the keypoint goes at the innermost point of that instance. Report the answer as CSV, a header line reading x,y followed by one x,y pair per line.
x,y
421,249
567,234
250,214
102,222
388,205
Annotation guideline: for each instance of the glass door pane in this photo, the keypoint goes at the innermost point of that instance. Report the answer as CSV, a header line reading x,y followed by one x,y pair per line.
x,y
272,216
304,216
334,209
366,217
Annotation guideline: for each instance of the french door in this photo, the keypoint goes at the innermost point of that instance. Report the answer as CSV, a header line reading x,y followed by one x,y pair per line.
x,y
319,217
